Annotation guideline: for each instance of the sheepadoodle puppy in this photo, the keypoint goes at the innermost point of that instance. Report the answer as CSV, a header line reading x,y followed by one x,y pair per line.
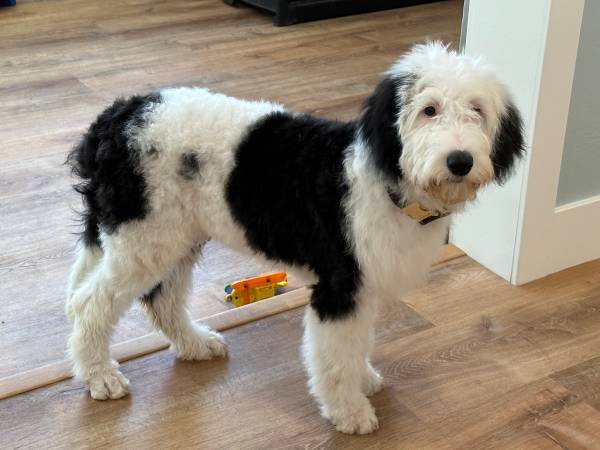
x,y
359,208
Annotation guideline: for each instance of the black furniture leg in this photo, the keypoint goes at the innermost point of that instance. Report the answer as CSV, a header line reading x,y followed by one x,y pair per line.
x,y
284,14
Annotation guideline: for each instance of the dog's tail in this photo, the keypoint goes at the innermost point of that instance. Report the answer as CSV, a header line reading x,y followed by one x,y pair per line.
x,y
107,165
83,162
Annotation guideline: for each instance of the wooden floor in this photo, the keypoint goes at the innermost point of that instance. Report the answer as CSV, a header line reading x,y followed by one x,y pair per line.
x,y
469,363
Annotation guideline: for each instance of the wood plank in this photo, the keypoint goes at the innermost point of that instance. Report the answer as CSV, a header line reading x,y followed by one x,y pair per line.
x,y
583,380
538,415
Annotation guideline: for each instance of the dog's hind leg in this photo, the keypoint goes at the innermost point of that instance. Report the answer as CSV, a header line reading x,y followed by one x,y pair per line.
x,y
166,308
88,256
128,268
335,353
372,381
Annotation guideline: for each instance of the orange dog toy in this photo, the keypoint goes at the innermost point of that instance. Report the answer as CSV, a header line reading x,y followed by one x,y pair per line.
x,y
250,290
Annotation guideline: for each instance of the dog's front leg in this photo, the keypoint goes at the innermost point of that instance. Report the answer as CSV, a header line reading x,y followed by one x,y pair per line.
x,y
336,356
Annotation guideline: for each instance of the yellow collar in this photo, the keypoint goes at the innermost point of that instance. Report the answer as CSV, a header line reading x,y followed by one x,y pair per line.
x,y
415,211
423,216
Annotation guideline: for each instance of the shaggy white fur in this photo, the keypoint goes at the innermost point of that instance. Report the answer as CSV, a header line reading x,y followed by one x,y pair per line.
x,y
337,358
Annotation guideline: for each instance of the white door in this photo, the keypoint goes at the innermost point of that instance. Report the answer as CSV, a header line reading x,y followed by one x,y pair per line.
x,y
537,223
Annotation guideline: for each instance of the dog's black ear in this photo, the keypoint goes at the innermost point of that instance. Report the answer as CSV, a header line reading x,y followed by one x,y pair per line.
x,y
378,126
508,144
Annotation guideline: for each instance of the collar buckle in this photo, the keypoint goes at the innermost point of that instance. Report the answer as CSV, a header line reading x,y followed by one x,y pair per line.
x,y
423,216
415,211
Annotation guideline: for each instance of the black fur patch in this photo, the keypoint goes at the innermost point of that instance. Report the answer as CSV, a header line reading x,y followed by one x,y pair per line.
x,y
287,191
509,145
189,165
112,185
378,126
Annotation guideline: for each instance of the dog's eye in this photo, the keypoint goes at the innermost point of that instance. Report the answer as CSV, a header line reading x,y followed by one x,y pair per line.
x,y
477,109
430,111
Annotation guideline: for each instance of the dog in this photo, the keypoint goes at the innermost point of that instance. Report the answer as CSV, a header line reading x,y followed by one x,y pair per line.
x,y
357,208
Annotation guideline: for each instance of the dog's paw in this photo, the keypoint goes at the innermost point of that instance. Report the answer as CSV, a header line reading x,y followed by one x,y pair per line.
x,y
108,383
205,344
358,418
372,382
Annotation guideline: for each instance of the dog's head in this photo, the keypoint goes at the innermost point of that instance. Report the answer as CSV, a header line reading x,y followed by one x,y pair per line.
x,y
439,126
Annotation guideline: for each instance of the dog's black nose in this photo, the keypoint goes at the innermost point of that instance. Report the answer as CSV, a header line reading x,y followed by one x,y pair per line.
x,y
459,162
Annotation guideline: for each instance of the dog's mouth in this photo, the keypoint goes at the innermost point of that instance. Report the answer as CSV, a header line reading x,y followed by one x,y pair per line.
x,y
453,191
455,179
